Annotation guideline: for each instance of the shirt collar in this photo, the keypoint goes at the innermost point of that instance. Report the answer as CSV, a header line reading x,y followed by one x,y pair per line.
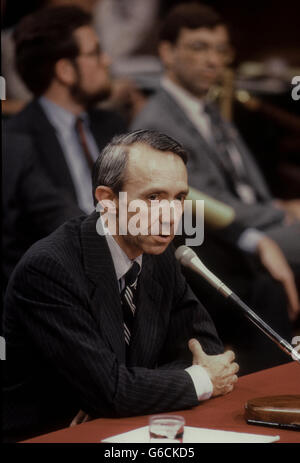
x,y
185,99
121,261
60,118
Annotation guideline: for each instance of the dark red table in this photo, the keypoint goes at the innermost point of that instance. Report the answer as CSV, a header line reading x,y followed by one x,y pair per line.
x,y
224,412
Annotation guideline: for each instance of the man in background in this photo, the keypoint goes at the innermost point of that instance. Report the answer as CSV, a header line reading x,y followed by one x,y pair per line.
x,y
17,95
59,58
195,50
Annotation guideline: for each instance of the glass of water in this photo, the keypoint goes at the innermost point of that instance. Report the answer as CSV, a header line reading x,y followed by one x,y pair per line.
x,y
166,428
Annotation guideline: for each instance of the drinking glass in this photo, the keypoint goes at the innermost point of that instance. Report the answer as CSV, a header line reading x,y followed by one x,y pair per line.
x,y
166,428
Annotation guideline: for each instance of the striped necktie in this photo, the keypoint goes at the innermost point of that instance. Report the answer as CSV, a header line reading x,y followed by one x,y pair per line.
x,y
128,299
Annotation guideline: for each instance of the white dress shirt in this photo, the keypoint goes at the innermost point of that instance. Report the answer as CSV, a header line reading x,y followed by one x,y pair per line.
x,y
192,106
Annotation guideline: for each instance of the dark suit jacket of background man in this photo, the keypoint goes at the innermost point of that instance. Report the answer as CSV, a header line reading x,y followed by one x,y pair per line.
x,y
33,122
32,207
206,173
65,347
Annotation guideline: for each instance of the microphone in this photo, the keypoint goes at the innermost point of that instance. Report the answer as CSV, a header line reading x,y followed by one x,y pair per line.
x,y
216,214
187,257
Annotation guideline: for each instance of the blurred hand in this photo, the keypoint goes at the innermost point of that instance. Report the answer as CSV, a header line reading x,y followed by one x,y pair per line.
x,y
220,368
81,417
273,259
11,106
253,104
291,207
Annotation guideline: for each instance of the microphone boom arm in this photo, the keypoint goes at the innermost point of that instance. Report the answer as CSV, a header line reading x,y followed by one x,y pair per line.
x,y
189,258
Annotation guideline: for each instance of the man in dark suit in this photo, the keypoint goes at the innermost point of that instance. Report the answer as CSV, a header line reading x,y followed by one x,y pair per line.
x,y
195,49
106,323
59,58
32,208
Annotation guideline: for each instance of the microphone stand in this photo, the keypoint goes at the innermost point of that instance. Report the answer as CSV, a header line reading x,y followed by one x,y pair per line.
x,y
263,326
281,411
189,258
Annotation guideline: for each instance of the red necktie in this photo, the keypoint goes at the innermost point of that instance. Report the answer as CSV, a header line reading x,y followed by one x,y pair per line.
x,y
79,127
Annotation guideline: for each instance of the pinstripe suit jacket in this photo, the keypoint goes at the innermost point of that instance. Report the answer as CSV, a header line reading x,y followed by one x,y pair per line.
x,y
65,341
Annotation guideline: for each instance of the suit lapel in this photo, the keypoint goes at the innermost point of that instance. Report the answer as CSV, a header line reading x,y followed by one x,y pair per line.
x,y
104,288
190,131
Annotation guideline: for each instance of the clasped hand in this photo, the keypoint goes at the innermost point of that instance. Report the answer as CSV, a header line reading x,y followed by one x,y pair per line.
x,y
221,368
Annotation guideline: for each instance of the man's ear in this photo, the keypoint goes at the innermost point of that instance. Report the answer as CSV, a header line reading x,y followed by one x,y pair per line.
x,y
106,197
166,53
65,71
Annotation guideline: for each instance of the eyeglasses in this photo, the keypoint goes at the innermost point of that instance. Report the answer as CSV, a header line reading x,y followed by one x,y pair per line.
x,y
223,50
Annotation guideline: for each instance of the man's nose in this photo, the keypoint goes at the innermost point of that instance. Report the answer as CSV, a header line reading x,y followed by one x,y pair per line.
x,y
170,214
213,57
105,60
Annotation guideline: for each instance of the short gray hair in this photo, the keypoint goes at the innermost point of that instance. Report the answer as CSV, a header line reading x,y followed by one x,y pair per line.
x,y
110,167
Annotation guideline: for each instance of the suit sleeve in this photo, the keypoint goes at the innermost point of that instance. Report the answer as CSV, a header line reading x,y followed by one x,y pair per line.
x,y
54,313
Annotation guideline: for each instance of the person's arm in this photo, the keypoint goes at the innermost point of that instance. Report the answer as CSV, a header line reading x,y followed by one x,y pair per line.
x,y
257,243
54,311
290,207
188,319
273,259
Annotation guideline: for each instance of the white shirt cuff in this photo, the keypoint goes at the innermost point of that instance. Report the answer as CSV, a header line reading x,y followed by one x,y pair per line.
x,y
249,239
201,380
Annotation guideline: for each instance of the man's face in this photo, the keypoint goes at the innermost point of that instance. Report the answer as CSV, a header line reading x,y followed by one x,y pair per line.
x,y
198,58
92,81
153,175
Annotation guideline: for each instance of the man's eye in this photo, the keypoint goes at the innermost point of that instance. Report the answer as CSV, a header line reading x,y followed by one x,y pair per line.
x,y
153,197
198,46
